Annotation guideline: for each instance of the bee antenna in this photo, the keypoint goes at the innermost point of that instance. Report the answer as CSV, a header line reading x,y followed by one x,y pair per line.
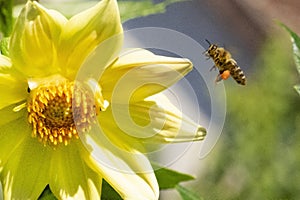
x,y
208,42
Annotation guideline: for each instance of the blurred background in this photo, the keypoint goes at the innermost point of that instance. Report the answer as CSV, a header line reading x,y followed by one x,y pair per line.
x,y
258,153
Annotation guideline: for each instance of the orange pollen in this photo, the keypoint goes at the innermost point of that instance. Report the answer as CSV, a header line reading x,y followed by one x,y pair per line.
x,y
53,107
225,75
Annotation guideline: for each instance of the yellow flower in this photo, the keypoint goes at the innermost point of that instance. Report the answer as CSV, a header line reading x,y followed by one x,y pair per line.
x,y
69,132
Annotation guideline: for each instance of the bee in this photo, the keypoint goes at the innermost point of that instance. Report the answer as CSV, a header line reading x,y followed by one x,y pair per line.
x,y
226,65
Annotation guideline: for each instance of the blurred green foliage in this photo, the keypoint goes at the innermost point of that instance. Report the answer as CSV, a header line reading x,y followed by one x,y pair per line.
x,y
129,9
187,194
6,17
258,156
133,9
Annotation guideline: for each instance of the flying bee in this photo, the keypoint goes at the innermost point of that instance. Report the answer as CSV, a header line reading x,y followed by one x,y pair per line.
x,y
226,65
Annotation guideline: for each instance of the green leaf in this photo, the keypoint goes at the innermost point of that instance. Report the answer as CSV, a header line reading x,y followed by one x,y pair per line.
x,y
296,50
47,194
168,178
4,46
296,45
108,193
6,18
186,194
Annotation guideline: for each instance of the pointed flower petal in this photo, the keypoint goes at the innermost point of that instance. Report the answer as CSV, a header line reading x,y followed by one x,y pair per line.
x,y
128,172
25,173
11,136
85,31
139,73
156,120
11,115
34,40
70,177
13,87
177,126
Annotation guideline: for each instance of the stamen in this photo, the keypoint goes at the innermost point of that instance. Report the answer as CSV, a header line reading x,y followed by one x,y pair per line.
x,y
60,110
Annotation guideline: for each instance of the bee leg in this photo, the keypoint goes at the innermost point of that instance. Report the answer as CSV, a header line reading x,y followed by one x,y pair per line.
x,y
213,67
218,78
206,54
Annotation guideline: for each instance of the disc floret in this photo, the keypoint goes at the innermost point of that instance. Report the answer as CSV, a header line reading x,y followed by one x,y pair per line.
x,y
59,110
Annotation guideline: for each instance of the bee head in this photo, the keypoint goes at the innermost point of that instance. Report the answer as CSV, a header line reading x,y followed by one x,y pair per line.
x,y
211,49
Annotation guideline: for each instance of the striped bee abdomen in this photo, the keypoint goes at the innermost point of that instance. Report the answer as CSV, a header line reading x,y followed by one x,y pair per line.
x,y
238,75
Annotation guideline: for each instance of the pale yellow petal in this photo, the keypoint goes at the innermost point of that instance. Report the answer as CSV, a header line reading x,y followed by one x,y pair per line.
x,y
139,73
10,114
114,132
178,127
24,163
85,31
70,177
156,120
34,40
128,172
13,86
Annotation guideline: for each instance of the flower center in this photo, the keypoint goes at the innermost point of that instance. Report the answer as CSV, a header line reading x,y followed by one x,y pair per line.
x,y
60,110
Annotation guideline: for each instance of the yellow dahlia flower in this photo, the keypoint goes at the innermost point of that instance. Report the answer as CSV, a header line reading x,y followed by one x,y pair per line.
x,y
71,133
